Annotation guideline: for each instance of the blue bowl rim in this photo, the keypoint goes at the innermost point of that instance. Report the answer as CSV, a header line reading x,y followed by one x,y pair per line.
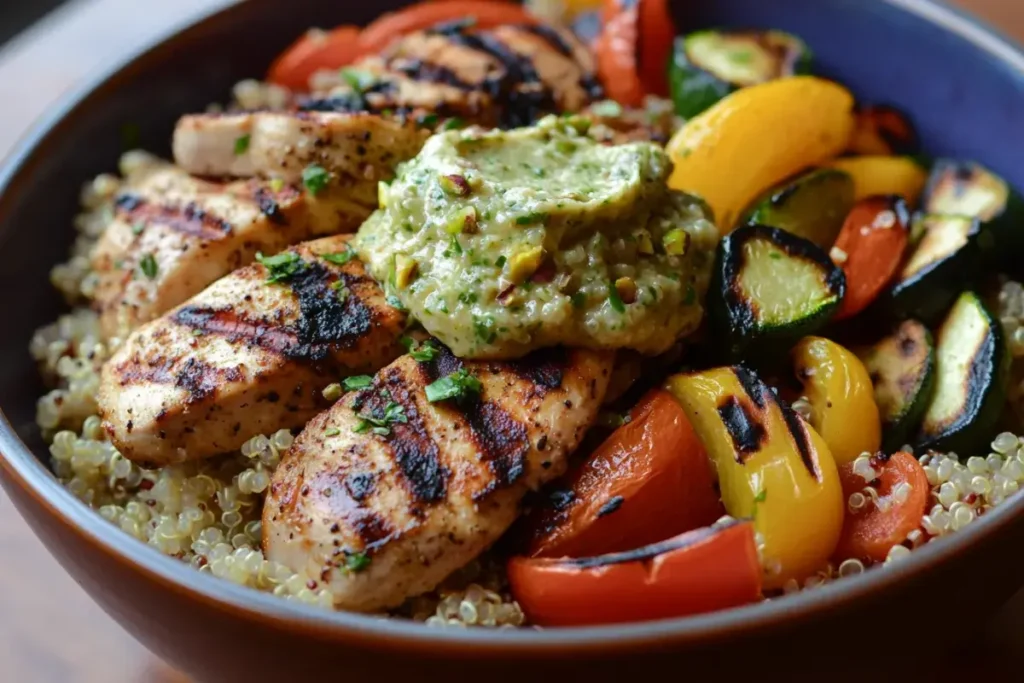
x,y
31,474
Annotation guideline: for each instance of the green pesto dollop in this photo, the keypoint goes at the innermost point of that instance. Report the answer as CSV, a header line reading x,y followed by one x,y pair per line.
x,y
502,242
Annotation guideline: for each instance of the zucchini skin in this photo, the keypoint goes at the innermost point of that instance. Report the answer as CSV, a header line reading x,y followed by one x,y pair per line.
x,y
780,206
911,349
1006,227
733,322
694,89
928,293
987,383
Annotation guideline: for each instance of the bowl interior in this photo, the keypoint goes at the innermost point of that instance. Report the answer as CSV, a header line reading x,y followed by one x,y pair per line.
x,y
961,87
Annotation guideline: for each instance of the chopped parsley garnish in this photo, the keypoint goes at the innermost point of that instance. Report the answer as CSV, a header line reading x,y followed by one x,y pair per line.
x,y
426,120
356,562
358,79
761,496
242,144
393,413
280,267
420,352
454,123
138,227
148,266
339,258
459,385
456,247
483,327
356,382
315,178
332,431
531,218
614,299
579,300
500,261
774,255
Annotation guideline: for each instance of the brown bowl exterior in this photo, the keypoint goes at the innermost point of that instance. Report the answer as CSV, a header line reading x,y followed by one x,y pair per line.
x,y
215,631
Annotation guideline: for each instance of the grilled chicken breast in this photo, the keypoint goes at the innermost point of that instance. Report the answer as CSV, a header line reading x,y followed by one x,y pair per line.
x,y
173,234
382,515
247,356
358,148
508,76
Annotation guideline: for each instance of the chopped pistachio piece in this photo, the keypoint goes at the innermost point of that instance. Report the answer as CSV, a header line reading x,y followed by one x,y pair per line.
x,y
405,270
643,243
332,392
626,288
524,263
455,185
676,242
463,220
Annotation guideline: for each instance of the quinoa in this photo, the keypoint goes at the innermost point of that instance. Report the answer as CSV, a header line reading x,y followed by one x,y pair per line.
x,y
207,514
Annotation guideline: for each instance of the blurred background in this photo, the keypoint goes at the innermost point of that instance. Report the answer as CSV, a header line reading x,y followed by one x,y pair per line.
x,y
15,15
50,631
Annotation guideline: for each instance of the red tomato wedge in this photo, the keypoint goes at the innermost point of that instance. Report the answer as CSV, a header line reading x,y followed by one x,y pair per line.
x,y
870,249
869,533
633,49
312,52
380,33
705,570
650,480
658,31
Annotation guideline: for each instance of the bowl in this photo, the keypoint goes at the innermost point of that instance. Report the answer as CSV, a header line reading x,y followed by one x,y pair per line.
x,y
962,83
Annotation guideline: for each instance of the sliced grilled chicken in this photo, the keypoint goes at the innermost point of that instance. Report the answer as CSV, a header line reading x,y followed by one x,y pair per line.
x,y
357,148
508,76
381,515
173,234
247,356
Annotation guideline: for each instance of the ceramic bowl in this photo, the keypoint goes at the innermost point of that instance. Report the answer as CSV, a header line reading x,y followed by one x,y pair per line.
x,y
963,85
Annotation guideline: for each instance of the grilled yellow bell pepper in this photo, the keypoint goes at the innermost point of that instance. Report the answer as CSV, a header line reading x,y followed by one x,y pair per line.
x,y
757,137
841,396
772,466
874,175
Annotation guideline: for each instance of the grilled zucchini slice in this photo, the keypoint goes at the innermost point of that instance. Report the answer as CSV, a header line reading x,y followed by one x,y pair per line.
x,y
708,65
944,260
769,289
902,369
812,206
972,375
965,188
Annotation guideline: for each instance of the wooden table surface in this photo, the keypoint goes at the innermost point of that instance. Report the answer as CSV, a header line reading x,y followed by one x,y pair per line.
x,y
50,631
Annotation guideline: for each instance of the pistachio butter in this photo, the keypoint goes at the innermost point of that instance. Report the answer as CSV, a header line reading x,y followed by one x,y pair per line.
x,y
502,242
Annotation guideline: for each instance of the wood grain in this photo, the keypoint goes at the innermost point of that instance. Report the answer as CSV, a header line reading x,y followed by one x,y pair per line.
x,y
50,631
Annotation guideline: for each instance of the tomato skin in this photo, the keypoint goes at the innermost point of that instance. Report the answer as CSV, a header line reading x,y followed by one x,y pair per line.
x,y
700,571
870,533
615,52
872,240
651,479
312,52
632,51
658,31
487,14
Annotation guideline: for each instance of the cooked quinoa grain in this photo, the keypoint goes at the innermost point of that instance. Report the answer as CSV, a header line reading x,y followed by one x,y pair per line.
x,y
207,514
